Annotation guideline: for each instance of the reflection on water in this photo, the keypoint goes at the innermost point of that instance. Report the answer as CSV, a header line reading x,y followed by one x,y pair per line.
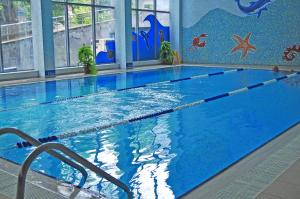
x,y
138,155
293,82
33,94
151,154
155,157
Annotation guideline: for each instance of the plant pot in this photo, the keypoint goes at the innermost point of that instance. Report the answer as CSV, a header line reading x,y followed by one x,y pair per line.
x,y
87,70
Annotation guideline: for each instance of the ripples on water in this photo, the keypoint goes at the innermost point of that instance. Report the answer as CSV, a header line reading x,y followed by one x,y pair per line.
x,y
160,157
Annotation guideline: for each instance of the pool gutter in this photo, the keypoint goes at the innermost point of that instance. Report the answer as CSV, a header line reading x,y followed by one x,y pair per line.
x,y
258,67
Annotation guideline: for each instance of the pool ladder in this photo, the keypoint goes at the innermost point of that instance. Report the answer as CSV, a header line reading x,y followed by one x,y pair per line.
x,y
50,149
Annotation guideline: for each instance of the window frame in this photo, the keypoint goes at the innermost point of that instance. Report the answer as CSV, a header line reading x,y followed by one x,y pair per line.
x,y
1,53
93,7
136,10
4,67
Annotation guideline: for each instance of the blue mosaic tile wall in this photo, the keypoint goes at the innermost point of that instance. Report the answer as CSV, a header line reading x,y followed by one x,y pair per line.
x,y
264,32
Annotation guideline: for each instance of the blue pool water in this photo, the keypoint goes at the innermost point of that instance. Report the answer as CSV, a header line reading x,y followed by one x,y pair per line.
x,y
160,157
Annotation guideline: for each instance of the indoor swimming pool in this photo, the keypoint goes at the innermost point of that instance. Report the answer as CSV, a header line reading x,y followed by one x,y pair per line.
x,y
162,132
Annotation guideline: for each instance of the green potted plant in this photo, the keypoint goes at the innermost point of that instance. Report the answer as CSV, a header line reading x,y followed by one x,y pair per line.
x,y
86,58
166,53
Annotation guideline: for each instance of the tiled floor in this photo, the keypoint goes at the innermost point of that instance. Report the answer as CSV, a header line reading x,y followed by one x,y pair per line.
x,y
37,186
8,188
287,186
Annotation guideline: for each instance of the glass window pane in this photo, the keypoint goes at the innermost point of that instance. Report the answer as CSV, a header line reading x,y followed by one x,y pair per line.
x,y
133,4
105,2
134,36
1,67
81,1
59,35
105,36
80,29
163,19
146,4
16,29
163,5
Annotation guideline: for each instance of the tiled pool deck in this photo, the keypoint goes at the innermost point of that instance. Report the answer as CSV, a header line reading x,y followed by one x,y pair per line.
x,y
38,186
286,186
272,172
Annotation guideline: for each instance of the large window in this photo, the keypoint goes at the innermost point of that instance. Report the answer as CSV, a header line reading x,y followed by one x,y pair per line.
x,y
16,48
150,24
77,23
83,22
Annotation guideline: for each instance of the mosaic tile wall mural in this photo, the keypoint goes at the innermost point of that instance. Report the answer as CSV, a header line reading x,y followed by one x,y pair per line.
x,y
252,32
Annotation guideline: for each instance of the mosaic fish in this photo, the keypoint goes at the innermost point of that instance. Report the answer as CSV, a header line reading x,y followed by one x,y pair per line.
x,y
255,7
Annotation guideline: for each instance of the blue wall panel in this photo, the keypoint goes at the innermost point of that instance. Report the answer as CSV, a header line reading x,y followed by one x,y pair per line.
x,y
269,28
149,43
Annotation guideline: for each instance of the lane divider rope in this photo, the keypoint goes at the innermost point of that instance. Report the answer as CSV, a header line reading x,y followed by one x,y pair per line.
x,y
124,89
42,140
167,111
184,79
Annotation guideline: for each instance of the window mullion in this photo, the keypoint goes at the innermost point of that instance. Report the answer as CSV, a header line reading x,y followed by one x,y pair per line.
x,y
1,53
155,28
94,27
137,31
67,35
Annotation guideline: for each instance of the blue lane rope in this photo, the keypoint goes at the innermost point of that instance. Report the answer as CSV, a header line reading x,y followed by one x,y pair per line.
x,y
163,112
125,89
61,100
255,86
156,114
42,140
184,79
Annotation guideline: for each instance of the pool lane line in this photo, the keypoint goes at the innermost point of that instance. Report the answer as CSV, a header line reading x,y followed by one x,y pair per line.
x,y
184,79
156,114
124,89
178,108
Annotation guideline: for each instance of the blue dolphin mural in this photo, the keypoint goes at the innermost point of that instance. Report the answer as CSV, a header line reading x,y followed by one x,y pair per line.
x,y
255,7
149,41
146,38
109,56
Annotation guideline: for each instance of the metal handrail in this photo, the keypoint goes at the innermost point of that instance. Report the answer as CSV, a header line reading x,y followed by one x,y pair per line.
x,y
59,147
37,143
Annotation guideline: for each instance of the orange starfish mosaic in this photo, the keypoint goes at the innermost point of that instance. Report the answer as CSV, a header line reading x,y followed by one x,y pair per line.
x,y
243,45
